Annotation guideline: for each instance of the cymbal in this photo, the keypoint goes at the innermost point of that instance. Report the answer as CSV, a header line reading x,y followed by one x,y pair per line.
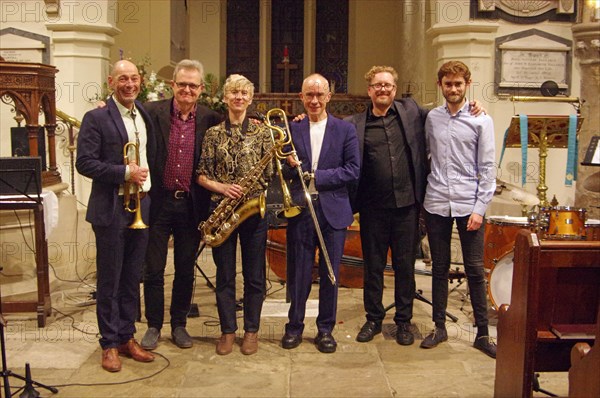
x,y
509,193
592,182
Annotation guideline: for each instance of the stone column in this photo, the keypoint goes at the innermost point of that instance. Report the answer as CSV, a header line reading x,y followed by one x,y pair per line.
x,y
586,36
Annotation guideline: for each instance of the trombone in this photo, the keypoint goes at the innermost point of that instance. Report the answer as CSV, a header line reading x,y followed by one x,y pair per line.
x,y
268,121
128,196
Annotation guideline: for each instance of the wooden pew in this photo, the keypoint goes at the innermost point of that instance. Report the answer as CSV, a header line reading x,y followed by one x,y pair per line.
x,y
554,283
584,375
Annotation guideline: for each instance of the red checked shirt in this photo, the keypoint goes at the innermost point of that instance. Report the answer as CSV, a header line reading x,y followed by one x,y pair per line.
x,y
180,158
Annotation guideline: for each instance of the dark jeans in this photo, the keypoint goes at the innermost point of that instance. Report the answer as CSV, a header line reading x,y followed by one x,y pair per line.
x,y
439,232
119,262
398,230
175,217
253,242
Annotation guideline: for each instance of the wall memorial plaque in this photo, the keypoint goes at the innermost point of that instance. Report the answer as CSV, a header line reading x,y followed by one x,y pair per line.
x,y
525,60
21,46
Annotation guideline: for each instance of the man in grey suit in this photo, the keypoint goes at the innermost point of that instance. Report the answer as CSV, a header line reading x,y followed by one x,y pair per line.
x,y
120,250
327,149
178,202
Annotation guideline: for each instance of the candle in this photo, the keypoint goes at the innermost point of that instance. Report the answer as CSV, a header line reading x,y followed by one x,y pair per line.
x,y
286,52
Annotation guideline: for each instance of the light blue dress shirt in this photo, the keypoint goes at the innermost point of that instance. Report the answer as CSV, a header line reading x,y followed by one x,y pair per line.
x,y
463,173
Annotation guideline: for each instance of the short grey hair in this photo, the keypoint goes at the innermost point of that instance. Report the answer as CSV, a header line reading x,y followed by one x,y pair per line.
x,y
189,64
238,82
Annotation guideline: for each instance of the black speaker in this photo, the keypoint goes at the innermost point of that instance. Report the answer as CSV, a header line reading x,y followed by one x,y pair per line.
x,y
19,140
21,176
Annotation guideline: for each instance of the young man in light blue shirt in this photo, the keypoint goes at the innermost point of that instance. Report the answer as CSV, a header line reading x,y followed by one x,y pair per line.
x,y
459,188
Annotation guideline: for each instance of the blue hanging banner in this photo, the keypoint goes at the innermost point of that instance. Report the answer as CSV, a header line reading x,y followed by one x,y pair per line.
x,y
503,147
571,173
523,126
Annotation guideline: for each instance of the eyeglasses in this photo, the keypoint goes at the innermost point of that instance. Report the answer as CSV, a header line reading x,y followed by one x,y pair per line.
x,y
192,86
379,86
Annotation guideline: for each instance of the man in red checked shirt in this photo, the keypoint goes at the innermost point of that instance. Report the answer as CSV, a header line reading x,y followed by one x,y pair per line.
x,y
178,203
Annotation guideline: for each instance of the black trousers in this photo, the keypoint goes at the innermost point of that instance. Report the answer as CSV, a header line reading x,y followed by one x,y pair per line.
x,y
380,231
252,234
176,218
439,231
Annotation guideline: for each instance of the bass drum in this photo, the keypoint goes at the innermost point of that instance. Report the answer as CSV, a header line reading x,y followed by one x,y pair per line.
x,y
499,238
500,282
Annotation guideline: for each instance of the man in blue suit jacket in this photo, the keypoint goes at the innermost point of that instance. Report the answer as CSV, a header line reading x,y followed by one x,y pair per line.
x,y
327,149
120,250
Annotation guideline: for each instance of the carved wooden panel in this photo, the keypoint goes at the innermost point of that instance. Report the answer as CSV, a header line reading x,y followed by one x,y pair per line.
x,y
29,88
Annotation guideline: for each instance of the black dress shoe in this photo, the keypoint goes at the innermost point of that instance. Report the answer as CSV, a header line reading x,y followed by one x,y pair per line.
x,y
368,331
325,343
404,335
289,341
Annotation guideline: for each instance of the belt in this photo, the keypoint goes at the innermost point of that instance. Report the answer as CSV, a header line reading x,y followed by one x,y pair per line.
x,y
179,194
314,196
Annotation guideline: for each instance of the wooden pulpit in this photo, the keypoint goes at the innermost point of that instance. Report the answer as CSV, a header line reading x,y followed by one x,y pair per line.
x,y
29,88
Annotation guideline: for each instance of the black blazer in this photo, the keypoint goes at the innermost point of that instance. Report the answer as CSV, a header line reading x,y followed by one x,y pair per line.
x,y
160,115
412,119
100,143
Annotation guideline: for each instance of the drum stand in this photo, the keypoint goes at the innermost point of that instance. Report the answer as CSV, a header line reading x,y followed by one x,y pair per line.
x,y
28,390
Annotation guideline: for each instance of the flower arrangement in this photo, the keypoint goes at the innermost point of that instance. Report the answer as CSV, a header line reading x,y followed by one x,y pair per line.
x,y
212,96
152,88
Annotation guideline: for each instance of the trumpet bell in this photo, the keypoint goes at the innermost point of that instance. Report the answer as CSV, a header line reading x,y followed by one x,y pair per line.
x,y
138,223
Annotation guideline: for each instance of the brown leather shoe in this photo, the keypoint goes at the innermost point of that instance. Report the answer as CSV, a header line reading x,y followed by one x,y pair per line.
x,y
250,343
110,360
225,343
134,350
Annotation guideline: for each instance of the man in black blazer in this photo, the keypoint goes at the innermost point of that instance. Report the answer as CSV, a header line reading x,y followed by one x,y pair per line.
x,y
389,196
120,250
178,203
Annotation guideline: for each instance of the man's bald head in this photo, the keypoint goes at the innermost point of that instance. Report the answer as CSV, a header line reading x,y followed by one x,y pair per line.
x,y
315,95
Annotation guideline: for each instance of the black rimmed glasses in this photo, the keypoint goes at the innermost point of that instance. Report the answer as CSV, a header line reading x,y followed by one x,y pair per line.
x,y
380,86
192,86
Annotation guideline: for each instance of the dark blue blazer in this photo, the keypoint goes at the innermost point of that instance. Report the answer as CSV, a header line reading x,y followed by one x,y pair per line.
x,y
160,113
100,157
338,166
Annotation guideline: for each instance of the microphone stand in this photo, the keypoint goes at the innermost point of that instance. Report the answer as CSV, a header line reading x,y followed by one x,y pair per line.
x,y
28,390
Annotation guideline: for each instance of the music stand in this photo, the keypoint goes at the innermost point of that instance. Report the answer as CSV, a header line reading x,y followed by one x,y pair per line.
x,y
592,154
544,131
28,390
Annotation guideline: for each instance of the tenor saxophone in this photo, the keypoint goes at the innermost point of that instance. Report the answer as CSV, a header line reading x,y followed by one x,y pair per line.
x,y
230,213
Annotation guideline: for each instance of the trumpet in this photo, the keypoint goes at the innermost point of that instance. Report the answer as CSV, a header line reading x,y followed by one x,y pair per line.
x,y
128,196
286,130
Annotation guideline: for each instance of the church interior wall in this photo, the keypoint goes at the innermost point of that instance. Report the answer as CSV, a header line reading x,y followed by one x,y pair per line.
x,y
380,32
